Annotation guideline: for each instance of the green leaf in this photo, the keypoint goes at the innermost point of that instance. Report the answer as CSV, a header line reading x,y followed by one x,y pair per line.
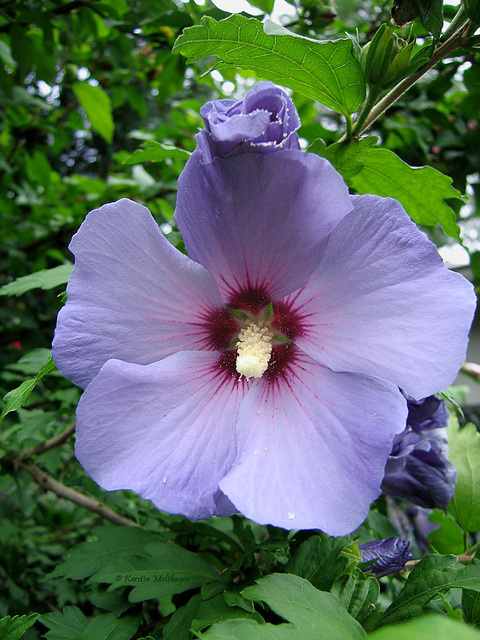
x,y
108,627
318,560
44,279
347,158
112,543
312,613
464,452
471,606
167,570
98,108
153,151
421,190
432,576
324,71
431,15
264,5
18,397
297,601
73,624
67,625
14,628
432,627
448,538
216,610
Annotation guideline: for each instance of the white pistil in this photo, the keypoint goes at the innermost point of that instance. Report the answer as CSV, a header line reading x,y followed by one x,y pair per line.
x,y
254,350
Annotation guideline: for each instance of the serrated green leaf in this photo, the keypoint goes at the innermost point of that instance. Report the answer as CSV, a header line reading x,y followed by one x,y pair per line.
x,y
318,560
44,279
167,570
432,627
421,190
153,151
108,627
98,108
432,576
14,628
448,538
316,613
346,157
66,625
464,452
324,71
310,613
112,543
18,397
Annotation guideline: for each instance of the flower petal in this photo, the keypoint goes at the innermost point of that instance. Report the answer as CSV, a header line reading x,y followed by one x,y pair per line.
x,y
165,430
131,296
312,446
256,221
382,303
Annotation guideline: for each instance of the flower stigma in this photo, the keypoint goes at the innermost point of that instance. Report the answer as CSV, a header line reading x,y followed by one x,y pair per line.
x,y
254,348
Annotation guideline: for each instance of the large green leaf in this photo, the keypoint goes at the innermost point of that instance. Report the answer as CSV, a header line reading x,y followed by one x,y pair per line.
x,y
44,279
14,628
422,191
324,71
98,108
465,455
432,575
312,613
72,624
111,544
433,627
167,570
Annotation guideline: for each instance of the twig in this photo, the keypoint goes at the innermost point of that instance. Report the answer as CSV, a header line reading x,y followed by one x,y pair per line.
x,y
53,443
47,483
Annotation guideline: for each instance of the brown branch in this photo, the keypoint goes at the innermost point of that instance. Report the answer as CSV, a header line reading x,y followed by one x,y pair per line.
x,y
53,443
47,483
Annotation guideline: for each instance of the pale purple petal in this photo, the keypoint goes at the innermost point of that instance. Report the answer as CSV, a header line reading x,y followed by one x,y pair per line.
x,y
312,446
256,221
264,121
131,296
165,430
382,303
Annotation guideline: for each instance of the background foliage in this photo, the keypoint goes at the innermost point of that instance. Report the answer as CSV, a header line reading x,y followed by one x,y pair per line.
x,y
95,105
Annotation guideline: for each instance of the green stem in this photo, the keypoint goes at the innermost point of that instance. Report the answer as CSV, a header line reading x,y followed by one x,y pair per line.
x,y
349,131
368,105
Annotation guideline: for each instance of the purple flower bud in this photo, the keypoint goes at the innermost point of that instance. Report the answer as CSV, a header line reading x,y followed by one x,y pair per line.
x,y
418,469
265,120
390,555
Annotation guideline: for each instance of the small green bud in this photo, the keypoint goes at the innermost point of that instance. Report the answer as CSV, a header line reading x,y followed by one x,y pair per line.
x,y
385,60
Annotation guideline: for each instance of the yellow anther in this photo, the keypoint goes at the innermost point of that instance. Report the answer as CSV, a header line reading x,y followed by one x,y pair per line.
x,y
254,350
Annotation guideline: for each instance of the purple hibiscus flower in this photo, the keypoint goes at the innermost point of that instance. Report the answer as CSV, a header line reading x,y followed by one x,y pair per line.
x,y
386,556
260,374
418,469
